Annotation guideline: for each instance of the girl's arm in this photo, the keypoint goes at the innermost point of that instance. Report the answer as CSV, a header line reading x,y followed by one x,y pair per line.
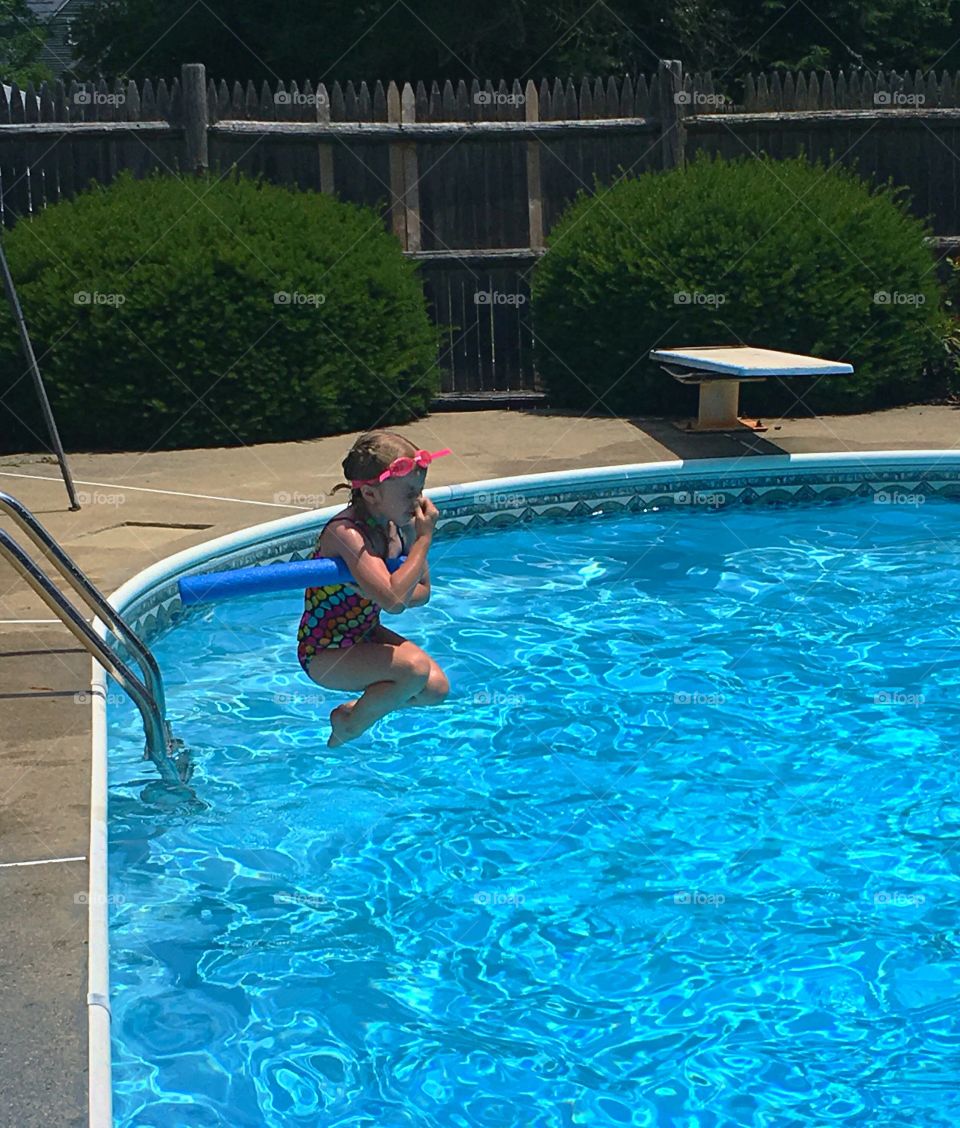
x,y
421,593
408,538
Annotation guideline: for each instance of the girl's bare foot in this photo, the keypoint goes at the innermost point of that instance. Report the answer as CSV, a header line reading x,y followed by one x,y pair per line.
x,y
341,729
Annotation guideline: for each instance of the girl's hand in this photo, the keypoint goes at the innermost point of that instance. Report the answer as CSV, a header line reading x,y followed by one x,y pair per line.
x,y
425,518
408,535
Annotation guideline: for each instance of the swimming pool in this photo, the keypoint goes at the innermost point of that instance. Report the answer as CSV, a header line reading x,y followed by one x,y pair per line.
x,y
677,849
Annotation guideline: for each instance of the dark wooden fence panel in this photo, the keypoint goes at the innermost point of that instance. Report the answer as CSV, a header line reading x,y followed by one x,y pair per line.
x,y
487,338
473,195
13,173
362,174
920,156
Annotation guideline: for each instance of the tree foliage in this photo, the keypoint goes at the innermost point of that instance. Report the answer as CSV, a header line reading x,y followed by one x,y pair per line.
x,y
434,39
22,38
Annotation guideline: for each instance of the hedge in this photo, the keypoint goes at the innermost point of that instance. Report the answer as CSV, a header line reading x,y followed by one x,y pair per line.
x,y
780,254
171,312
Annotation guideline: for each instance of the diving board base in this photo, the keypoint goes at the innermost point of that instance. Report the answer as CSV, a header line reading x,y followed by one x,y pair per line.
x,y
717,408
689,426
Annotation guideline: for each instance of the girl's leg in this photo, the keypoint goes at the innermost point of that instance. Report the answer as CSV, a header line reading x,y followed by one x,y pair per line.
x,y
377,700
388,675
437,686
429,695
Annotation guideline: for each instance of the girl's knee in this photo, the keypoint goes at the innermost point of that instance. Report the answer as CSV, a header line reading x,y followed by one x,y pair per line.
x,y
436,689
417,669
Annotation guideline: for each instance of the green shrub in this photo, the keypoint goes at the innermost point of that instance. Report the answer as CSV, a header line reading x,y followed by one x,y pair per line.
x,y
181,341
780,254
945,370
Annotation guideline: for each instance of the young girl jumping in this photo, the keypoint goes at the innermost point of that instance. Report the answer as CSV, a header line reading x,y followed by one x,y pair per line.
x,y
341,643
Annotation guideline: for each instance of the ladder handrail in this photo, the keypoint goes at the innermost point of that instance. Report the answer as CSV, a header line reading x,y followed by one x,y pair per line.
x,y
159,740
71,572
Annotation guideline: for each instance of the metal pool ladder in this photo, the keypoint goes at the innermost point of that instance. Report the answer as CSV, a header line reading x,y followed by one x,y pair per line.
x,y
168,753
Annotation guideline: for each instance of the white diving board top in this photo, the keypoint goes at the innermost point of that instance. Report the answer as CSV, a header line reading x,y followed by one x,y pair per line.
x,y
745,361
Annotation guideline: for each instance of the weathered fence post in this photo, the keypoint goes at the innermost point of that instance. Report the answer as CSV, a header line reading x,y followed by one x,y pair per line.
x,y
531,107
404,191
672,110
193,85
324,149
397,214
411,171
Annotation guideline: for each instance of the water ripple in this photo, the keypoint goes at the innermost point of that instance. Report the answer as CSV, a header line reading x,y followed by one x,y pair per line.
x,y
680,848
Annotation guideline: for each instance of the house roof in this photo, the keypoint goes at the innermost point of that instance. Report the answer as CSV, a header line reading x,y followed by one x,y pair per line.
x,y
44,9
57,52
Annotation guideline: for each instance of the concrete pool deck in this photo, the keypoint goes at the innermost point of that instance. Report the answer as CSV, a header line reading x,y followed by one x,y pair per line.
x,y
139,508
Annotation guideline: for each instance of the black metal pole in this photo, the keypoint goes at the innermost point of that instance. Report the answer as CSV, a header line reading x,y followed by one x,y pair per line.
x,y
37,378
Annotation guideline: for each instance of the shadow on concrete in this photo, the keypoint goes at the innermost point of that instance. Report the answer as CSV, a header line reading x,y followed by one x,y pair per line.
x,y
683,444
44,693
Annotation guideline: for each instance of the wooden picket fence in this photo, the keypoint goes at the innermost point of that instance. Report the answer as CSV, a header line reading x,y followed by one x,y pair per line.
x,y
855,91
472,177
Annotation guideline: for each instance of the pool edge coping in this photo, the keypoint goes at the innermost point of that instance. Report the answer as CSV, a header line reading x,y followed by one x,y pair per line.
x,y
99,1018
100,1084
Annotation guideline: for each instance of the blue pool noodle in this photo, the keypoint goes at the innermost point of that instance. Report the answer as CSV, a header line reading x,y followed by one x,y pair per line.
x,y
212,586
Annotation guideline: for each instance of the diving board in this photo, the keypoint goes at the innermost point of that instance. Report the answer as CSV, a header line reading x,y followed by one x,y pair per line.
x,y
721,369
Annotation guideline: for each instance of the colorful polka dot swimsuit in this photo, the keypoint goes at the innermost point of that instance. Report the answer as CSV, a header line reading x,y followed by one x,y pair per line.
x,y
333,618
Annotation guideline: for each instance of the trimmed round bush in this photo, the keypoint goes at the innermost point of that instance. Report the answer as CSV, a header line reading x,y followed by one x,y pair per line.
x,y
171,312
776,254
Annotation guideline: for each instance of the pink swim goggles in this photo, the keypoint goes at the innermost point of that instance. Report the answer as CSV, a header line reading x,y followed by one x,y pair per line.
x,y
400,467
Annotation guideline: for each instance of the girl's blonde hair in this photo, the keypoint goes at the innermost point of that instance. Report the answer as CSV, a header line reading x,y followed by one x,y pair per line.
x,y
369,456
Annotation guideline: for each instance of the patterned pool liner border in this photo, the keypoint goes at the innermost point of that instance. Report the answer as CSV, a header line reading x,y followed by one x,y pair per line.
x,y
503,502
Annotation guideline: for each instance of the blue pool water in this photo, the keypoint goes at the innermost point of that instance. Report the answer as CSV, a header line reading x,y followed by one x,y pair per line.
x,y
681,847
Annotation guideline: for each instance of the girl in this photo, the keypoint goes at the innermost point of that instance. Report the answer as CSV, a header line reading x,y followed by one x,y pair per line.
x,y
341,643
